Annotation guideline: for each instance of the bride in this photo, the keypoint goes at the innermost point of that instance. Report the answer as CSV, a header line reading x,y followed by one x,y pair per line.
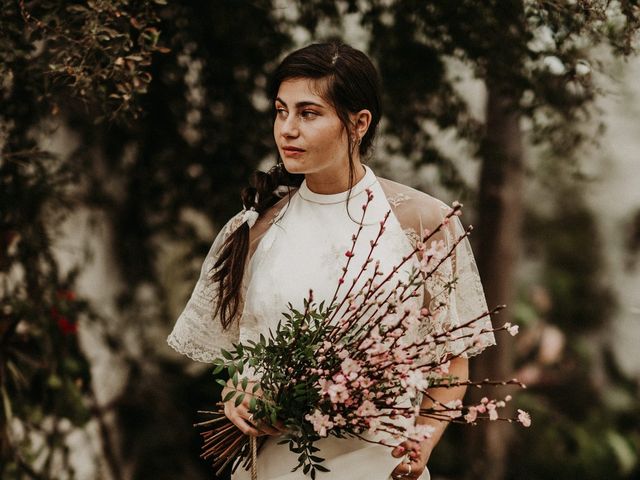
x,y
291,236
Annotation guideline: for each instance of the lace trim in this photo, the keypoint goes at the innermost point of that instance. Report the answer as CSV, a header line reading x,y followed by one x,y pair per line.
x,y
412,235
398,199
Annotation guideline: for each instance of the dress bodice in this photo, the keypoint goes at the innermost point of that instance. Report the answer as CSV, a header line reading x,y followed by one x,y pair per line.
x,y
305,248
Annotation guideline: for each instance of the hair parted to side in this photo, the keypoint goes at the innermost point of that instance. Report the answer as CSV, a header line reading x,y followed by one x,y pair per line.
x,y
350,84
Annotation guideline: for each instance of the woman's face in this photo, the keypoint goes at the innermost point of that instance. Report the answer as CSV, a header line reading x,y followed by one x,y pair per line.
x,y
310,137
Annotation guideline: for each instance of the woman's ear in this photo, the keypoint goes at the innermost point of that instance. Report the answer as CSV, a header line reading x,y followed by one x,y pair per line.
x,y
361,121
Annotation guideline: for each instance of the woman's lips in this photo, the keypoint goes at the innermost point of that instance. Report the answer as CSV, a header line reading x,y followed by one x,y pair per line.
x,y
292,151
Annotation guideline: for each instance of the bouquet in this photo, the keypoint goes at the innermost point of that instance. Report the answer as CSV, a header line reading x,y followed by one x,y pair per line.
x,y
351,367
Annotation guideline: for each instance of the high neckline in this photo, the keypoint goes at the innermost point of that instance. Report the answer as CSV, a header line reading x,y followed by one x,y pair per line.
x,y
365,182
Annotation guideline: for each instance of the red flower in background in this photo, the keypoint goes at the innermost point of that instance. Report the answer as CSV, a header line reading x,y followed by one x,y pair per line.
x,y
67,327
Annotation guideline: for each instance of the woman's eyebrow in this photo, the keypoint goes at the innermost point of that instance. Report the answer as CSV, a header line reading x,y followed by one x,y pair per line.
x,y
302,104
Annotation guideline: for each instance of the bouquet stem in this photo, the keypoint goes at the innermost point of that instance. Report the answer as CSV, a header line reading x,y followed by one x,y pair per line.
x,y
226,443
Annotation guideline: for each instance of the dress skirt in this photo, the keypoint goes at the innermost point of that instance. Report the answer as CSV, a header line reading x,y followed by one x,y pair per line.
x,y
346,458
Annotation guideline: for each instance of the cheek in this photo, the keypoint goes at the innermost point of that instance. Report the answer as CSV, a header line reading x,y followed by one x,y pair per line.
x,y
329,135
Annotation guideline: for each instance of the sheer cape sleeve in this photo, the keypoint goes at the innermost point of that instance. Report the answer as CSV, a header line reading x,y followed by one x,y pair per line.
x,y
465,301
196,333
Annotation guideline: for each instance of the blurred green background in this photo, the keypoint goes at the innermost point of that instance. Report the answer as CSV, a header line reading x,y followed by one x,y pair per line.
x,y
128,128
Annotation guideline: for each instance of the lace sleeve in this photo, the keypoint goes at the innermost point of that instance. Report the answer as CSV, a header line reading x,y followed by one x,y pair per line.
x,y
463,302
196,333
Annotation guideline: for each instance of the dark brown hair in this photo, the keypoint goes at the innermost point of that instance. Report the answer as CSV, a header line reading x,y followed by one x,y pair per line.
x,y
350,84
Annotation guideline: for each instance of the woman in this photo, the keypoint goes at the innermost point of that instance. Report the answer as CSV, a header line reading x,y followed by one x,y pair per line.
x,y
292,234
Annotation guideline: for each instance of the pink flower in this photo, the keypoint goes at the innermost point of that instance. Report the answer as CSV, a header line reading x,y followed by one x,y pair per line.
x,y
373,423
338,393
457,403
524,418
320,422
396,333
365,382
324,385
512,329
471,416
349,253
390,320
403,368
349,366
339,420
340,378
367,409
415,379
377,348
400,355
420,432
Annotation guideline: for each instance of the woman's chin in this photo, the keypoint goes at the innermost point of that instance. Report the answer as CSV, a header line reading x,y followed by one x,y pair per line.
x,y
294,167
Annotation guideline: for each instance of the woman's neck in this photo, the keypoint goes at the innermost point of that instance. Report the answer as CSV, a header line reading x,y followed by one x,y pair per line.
x,y
328,184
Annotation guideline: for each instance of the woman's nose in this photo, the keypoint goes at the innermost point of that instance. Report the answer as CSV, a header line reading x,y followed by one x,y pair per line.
x,y
289,127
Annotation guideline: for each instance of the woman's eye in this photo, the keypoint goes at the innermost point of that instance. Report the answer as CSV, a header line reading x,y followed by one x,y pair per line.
x,y
280,111
308,114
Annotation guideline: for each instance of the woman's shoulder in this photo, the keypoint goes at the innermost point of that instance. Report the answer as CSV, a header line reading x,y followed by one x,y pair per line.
x,y
413,205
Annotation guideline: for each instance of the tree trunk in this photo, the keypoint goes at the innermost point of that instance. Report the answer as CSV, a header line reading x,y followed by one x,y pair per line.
x,y
496,249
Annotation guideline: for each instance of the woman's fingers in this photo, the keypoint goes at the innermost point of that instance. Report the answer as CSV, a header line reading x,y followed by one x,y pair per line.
x,y
399,451
412,469
413,466
237,415
406,447
267,429
246,427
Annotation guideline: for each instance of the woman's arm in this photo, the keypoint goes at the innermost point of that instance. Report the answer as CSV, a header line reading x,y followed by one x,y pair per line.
x,y
459,367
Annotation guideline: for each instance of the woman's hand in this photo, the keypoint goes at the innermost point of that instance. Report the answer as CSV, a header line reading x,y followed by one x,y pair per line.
x,y
240,416
416,464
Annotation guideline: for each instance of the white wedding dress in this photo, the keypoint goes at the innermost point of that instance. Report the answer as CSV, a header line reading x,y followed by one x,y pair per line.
x,y
300,244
